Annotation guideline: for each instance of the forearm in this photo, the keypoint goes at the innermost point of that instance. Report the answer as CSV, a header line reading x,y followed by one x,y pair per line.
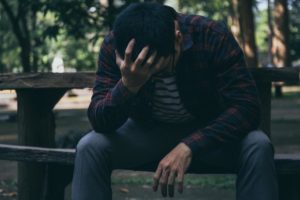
x,y
109,113
229,127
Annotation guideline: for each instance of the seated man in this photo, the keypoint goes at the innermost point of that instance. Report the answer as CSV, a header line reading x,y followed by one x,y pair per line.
x,y
173,95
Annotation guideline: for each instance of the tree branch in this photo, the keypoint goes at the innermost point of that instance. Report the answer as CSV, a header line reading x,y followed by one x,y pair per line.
x,y
13,19
8,10
25,27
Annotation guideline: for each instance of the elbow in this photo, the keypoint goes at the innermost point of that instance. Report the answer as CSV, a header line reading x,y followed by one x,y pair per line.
x,y
97,125
100,123
91,113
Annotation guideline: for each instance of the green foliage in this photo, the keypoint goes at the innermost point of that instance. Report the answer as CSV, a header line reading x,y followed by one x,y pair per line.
x,y
79,53
72,28
261,33
215,9
8,43
77,17
215,181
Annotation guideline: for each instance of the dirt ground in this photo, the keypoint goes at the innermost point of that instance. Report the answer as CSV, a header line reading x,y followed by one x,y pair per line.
x,y
71,118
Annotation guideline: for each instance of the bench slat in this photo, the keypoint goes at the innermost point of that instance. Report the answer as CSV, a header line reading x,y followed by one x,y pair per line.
x,y
285,163
37,154
79,80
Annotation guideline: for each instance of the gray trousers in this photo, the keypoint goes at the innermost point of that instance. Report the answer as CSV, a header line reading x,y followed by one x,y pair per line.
x,y
142,146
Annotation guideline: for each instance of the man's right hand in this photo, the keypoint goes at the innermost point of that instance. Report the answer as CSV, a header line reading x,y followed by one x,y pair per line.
x,y
136,74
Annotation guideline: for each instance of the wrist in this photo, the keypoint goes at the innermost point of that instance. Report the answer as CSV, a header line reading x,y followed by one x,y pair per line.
x,y
133,89
186,149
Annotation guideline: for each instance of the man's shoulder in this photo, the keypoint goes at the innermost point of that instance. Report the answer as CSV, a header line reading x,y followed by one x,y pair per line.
x,y
196,23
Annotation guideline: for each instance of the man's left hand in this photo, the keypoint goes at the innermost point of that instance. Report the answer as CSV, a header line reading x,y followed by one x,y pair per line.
x,y
172,166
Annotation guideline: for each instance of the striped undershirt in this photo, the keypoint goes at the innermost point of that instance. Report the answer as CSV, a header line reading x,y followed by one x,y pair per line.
x,y
167,105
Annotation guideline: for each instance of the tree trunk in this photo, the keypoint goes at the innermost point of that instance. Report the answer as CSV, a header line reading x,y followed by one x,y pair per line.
x,y
280,47
248,31
35,42
25,55
233,20
270,35
280,42
20,30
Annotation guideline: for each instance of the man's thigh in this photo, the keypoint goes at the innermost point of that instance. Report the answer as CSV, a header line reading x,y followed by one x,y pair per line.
x,y
228,156
134,145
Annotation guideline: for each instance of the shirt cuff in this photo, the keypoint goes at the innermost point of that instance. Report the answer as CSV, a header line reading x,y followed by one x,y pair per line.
x,y
198,143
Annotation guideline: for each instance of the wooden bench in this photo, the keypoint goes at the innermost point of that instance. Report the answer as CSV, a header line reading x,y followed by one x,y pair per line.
x,y
40,163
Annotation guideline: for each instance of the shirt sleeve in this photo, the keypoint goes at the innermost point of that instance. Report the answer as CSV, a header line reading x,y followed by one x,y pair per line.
x,y
237,90
111,100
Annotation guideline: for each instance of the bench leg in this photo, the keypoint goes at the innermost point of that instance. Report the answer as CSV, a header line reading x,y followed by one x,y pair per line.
x,y
36,127
289,186
58,177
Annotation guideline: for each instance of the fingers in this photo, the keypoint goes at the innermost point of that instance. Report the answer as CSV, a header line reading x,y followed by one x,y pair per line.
x,y
163,182
142,56
156,67
150,60
156,178
180,178
128,51
162,63
118,58
171,181
168,61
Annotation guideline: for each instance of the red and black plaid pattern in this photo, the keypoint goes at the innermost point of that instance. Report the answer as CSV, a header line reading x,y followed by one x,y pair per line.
x,y
213,81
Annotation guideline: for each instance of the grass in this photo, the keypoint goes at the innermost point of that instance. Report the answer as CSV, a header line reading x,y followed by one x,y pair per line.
x,y
214,181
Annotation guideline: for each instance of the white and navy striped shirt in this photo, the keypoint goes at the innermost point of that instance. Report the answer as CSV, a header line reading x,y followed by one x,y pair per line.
x,y
167,105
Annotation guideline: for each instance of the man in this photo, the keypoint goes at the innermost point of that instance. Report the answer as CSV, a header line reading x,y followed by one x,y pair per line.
x,y
173,94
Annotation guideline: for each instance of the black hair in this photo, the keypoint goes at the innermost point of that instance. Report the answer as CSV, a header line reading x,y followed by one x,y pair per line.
x,y
149,24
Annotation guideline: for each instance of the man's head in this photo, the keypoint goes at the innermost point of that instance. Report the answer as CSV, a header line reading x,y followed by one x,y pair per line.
x,y
150,24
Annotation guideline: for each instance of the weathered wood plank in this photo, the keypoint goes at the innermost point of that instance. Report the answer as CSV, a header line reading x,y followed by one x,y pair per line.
x,y
288,163
86,79
285,163
37,154
286,74
47,80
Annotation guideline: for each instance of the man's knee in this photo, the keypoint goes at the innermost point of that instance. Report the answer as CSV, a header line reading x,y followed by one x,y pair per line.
x,y
257,146
93,143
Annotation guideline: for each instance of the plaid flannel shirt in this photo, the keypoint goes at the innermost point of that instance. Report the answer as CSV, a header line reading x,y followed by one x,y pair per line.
x,y
213,81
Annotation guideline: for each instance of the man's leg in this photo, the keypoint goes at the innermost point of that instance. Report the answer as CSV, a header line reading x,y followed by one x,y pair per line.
x,y
257,177
132,146
253,160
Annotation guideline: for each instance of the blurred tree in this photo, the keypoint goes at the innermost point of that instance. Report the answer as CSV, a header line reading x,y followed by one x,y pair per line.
x,y
270,35
8,45
215,9
238,14
77,17
234,20
261,33
280,42
280,46
247,31
294,41
36,24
